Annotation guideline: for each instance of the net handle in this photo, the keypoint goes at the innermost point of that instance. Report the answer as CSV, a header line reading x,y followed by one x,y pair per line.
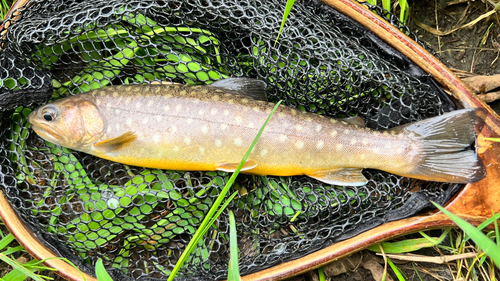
x,y
32,244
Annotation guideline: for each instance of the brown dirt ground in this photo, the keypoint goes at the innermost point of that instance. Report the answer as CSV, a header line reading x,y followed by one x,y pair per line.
x,y
472,49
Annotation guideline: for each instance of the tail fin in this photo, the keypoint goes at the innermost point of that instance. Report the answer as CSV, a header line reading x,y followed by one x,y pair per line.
x,y
446,154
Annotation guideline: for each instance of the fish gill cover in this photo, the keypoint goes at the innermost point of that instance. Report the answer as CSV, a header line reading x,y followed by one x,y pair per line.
x,y
140,220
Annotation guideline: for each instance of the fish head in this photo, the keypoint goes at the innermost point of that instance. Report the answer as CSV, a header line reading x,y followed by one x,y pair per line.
x,y
74,122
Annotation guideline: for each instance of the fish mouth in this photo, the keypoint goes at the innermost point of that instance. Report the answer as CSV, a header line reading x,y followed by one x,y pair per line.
x,y
43,130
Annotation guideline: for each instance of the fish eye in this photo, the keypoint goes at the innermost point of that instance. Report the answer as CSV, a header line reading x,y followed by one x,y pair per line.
x,y
49,113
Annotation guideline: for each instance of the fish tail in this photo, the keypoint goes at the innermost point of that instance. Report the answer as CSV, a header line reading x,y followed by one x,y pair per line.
x,y
445,153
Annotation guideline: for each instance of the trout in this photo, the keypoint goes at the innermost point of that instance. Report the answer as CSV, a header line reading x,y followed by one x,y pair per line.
x,y
206,128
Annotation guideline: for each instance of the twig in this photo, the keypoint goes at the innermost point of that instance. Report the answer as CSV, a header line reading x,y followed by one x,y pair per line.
x,y
437,260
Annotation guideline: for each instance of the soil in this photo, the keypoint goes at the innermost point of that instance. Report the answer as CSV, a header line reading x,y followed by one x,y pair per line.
x,y
473,49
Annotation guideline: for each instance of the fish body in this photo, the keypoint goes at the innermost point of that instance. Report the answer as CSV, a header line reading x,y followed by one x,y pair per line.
x,y
180,127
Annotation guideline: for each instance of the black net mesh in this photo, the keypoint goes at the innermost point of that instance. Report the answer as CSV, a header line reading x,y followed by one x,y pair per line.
x,y
140,220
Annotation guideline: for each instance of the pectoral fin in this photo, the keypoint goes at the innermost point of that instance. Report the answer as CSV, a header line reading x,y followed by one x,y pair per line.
x,y
114,144
231,167
344,176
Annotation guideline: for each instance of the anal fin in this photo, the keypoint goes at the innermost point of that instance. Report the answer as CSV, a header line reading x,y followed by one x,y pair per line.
x,y
342,176
114,144
231,167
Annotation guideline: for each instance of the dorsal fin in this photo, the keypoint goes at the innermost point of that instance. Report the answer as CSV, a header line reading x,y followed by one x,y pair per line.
x,y
355,120
249,87
117,143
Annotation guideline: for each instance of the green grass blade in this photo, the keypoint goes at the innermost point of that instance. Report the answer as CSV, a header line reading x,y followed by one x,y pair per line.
x,y
288,8
219,212
484,224
492,250
20,267
234,272
6,241
396,270
100,272
405,11
198,235
405,246
321,274
17,275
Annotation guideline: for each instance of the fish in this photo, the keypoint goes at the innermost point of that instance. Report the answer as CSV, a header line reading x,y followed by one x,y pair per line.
x,y
210,128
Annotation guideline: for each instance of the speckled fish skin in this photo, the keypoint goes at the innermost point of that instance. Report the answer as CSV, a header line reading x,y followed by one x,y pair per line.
x,y
181,127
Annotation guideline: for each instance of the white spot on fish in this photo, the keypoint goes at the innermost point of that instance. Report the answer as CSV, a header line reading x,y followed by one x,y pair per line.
x,y
238,119
202,149
320,144
226,112
263,152
127,100
393,133
218,143
156,138
400,136
299,144
182,93
364,141
338,147
215,97
158,118
213,111
283,138
299,128
376,149
117,111
238,141
195,101
251,125
353,141
138,105
201,112
174,129
400,150
150,102
187,140
309,119
167,96
344,122
231,101
244,101
118,127
98,102
346,132
204,129
176,148
189,120
362,157
166,108
387,145
385,133
145,121
376,133
334,133
333,121
256,109
178,107
223,126
115,94
128,122
294,112
318,128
